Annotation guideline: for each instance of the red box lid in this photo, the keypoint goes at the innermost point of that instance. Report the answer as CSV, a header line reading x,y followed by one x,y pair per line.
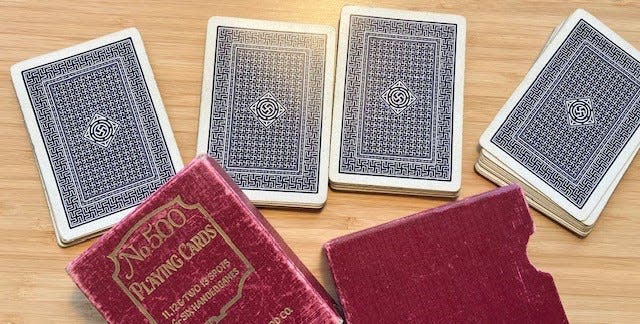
x,y
198,251
459,263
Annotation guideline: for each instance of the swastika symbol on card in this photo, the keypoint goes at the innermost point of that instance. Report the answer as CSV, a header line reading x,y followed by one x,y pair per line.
x,y
398,97
267,109
101,130
580,112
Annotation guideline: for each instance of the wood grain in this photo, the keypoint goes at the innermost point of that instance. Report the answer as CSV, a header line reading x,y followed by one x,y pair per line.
x,y
598,277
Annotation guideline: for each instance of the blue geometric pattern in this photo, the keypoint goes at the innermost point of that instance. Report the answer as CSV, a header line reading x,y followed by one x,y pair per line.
x,y
578,114
398,100
100,130
266,112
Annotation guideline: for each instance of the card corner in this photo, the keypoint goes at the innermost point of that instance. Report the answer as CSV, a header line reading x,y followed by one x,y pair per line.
x,y
133,31
16,70
580,12
461,21
63,240
348,10
213,21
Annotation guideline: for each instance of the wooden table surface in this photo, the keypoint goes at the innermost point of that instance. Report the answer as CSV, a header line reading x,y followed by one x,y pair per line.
x,y
598,277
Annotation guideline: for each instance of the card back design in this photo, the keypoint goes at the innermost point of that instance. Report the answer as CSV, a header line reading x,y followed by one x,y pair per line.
x,y
580,112
577,116
398,98
99,126
266,108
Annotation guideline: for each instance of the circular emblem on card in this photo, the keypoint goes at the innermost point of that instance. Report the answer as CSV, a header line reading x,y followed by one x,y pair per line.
x,y
101,130
398,97
580,111
267,109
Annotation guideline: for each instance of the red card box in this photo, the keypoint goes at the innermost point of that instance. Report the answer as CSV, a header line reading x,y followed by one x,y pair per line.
x,y
464,262
198,251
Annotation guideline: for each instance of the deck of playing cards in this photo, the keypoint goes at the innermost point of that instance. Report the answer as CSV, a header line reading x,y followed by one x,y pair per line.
x,y
397,118
197,251
99,131
464,262
265,113
570,130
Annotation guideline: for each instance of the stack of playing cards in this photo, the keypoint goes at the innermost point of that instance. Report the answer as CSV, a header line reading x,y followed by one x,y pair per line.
x,y
397,120
99,131
569,131
265,113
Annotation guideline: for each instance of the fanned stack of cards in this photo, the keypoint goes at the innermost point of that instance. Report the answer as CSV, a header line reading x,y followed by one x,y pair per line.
x,y
265,113
99,131
397,120
570,130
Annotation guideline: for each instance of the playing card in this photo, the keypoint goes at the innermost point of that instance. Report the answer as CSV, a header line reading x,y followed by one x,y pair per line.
x,y
99,131
266,107
398,100
570,128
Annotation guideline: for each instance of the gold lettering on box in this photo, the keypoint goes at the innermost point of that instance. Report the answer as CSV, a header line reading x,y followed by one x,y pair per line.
x,y
146,269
